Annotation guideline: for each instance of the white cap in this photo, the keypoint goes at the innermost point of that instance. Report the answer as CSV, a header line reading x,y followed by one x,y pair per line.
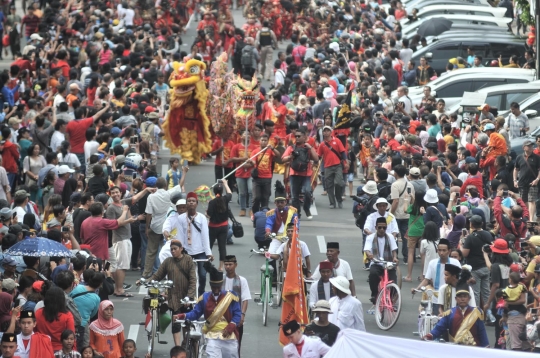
x,y
64,169
181,202
36,37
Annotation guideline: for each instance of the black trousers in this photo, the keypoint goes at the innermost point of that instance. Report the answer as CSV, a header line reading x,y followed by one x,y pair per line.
x,y
219,233
375,274
262,189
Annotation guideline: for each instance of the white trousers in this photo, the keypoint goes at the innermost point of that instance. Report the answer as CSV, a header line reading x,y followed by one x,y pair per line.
x,y
217,348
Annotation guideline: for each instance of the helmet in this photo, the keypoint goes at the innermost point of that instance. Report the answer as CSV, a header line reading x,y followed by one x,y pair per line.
x,y
494,63
133,161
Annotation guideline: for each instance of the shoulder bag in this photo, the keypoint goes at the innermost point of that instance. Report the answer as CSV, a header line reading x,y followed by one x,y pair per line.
x,y
237,229
255,171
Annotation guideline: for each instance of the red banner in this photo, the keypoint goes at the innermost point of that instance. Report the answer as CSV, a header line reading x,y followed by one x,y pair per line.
x,y
294,298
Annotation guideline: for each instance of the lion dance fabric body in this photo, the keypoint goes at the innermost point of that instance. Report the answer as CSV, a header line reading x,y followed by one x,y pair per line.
x,y
187,126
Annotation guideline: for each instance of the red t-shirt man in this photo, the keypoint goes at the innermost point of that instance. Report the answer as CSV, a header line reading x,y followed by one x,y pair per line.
x,y
325,151
225,154
95,232
77,134
280,128
239,151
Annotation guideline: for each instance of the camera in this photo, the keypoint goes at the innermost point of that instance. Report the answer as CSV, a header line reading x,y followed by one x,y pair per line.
x,y
505,193
487,248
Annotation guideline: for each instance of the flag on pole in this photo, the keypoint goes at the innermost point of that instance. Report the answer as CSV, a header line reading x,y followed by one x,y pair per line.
x,y
344,116
148,322
294,298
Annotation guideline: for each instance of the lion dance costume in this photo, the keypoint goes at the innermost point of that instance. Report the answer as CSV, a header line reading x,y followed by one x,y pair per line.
x,y
187,126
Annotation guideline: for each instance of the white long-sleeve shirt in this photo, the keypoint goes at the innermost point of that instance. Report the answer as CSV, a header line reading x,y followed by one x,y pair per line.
x,y
371,221
314,292
200,241
347,313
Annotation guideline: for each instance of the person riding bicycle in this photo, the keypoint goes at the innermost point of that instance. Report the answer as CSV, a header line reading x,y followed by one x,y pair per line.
x,y
222,312
277,220
382,246
283,252
180,269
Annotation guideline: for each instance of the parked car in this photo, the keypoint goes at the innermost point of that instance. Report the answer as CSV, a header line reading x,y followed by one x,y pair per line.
x,y
490,47
411,4
517,143
473,21
456,9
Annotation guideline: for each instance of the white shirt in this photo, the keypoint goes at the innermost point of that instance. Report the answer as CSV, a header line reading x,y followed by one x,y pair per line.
x,y
89,149
405,55
4,183
157,205
382,241
279,78
58,99
165,251
344,269
440,301
313,348
408,103
244,295
70,159
371,220
126,15
56,140
432,273
200,242
347,313
303,246
23,352
314,292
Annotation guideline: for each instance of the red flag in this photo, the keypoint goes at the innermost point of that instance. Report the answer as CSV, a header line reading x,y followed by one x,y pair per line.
x,y
294,298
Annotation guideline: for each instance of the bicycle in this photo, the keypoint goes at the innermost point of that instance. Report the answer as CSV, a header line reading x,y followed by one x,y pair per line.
x,y
265,296
310,304
426,320
194,341
388,303
154,303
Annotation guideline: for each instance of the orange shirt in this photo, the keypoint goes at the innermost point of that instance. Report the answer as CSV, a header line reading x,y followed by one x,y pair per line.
x,y
264,162
239,151
227,148
109,346
70,98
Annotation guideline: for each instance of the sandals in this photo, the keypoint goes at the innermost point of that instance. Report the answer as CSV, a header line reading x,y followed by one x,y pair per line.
x,y
404,279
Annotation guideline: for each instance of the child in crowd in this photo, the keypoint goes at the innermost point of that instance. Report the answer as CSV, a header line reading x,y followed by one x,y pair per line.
x,y
68,341
129,348
88,352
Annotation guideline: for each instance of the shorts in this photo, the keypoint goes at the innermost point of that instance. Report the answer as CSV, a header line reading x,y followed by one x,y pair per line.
x,y
350,177
412,241
112,259
123,251
529,193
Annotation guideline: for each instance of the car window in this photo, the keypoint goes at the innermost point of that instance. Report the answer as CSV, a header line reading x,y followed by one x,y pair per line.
x,y
517,97
446,51
481,83
454,89
516,80
506,50
494,101
479,48
535,106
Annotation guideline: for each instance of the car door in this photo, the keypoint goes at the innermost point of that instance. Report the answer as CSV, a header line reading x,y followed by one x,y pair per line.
x,y
441,53
454,89
517,97
479,83
506,50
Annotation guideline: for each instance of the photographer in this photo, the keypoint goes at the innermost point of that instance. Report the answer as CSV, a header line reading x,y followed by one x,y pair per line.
x,y
511,220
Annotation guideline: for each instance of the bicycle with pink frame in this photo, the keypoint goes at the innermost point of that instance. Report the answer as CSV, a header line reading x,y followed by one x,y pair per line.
x,y
388,304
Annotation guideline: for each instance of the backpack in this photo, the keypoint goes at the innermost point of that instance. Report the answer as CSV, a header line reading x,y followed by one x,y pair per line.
x,y
384,191
247,56
147,131
238,47
300,159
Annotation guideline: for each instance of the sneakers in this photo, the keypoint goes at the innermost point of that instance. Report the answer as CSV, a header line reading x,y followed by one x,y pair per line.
x,y
242,212
230,242
340,204
332,206
126,287
308,215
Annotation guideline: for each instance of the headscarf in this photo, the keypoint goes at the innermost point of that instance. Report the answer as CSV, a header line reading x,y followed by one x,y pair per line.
x,y
454,235
105,327
5,307
69,187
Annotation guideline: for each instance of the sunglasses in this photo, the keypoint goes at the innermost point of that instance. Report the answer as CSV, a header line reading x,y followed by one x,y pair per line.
x,y
381,227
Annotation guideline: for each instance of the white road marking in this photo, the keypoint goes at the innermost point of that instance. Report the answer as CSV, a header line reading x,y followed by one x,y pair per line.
x,y
313,210
133,331
322,244
142,290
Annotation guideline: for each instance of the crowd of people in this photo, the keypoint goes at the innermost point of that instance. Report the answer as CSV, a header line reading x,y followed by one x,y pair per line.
x,y
84,102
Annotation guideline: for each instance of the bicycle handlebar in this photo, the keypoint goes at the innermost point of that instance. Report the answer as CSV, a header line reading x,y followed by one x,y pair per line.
x,y
155,284
201,260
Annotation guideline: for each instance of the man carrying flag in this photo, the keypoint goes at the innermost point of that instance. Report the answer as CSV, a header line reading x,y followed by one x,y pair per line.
x,y
294,298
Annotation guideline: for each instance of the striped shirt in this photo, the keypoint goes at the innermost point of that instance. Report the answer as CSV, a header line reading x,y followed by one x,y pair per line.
x,y
182,273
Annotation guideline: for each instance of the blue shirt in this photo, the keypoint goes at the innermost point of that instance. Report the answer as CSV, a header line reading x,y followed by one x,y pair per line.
x,y
87,303
433,130
198,310
259,222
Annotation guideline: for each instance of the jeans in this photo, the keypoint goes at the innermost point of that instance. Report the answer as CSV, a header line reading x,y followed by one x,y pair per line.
x,y
333,176
375,275
12,179
200,271
262,189
219,233
244,192
301,184
135,244
481,287
403,225
82,169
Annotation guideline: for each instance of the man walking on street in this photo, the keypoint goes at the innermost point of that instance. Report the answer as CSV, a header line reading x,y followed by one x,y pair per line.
x,y
266,41
399,198
527,175
333,153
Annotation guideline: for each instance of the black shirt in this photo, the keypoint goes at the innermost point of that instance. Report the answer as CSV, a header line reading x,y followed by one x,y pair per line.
x,y
97,185
327,334
215,216
505,177
474,243
79,215
527,172
142,206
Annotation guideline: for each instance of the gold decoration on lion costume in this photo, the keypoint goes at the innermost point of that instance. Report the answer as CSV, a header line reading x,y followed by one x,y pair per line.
x,y
187,126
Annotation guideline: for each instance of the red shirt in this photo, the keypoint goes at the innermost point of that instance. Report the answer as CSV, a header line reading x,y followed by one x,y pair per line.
x,y
309,170
393,144
280,128
64,66
330,158
77,134
239,151
264,162
10,157
94,232
54,329
475,180
227,148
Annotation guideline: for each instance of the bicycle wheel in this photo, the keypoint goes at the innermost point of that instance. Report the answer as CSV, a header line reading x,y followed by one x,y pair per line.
x,y
266,299
388,306
193,351
152,337
279,284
